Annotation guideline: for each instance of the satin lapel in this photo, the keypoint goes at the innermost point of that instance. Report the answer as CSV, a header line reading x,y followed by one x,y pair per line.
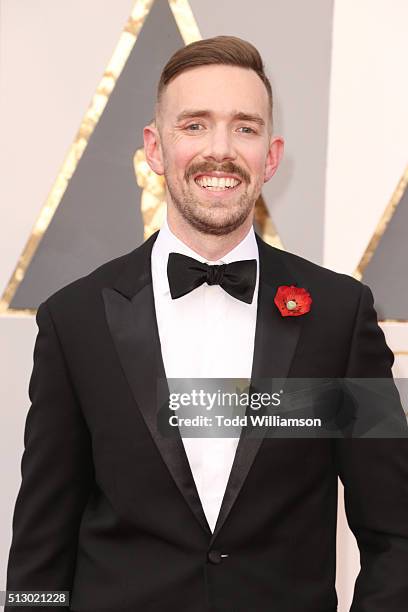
x,y
276,338
131,317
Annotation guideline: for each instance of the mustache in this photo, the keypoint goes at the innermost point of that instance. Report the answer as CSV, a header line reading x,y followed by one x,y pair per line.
x,y
227,168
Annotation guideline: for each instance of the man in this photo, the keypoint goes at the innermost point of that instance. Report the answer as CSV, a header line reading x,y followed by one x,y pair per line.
x,y
128,519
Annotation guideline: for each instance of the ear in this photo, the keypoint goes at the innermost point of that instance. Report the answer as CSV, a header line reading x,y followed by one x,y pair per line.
x,y
274,157
152,147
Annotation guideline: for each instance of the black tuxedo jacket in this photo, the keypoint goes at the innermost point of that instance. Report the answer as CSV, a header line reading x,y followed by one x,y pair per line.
x,y
108,508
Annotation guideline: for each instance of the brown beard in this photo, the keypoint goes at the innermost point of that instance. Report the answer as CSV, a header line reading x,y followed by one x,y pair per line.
x,y
205,219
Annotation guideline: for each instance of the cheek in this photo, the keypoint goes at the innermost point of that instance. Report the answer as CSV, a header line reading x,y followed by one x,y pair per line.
x,y
177,156
257,169
177,168
253,157
183,155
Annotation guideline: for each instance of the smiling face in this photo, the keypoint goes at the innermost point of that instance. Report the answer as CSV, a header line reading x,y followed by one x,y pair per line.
x,y
212,141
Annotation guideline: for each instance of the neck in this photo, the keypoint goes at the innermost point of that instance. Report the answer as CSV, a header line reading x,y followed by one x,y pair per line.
x,y
209,246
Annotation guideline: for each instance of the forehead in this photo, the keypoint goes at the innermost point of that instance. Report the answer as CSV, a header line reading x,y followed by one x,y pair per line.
x,y
218,88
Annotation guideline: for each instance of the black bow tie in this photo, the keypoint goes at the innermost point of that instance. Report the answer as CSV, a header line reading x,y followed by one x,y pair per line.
x,y
236,278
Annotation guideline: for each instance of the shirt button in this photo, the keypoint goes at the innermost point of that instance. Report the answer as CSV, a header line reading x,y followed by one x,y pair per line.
x,y
214,556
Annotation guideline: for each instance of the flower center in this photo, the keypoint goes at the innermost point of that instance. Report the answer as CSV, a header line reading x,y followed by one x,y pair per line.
x,y
291,304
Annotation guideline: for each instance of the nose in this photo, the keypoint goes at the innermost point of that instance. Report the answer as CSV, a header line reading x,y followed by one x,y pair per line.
x,y
219,146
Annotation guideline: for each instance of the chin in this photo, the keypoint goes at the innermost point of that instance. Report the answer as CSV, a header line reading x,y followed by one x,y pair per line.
x,y
216,226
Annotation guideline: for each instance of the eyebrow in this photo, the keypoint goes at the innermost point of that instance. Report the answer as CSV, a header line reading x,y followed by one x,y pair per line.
x,y
238,116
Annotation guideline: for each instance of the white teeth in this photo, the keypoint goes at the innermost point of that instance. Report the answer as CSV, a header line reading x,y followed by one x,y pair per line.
x,y
219,183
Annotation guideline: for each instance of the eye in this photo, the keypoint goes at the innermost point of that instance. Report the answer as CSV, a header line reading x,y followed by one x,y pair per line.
x,y
193,127
245,127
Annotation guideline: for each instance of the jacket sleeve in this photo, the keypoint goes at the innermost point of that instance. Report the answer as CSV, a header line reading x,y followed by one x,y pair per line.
x,y
374,472
57,475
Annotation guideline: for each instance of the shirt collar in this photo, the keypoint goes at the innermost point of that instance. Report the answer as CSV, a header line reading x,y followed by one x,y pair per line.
x,y
166,243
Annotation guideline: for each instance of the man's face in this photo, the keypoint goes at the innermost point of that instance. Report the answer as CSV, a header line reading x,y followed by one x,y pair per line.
x,y
213,145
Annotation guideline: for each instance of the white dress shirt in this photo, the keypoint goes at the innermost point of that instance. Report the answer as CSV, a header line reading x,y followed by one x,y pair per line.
x,y
205,334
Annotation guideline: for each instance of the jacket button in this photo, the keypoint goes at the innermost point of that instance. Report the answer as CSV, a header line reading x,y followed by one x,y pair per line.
x,y
214,556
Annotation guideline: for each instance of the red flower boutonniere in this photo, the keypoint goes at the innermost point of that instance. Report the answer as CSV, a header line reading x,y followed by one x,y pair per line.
x,y
292,301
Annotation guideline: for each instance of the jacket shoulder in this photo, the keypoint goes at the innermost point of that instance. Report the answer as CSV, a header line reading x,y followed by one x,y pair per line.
x,y
310,273
90,285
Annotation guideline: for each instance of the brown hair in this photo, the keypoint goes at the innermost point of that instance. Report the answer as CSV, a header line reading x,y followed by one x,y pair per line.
x,y
227,50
